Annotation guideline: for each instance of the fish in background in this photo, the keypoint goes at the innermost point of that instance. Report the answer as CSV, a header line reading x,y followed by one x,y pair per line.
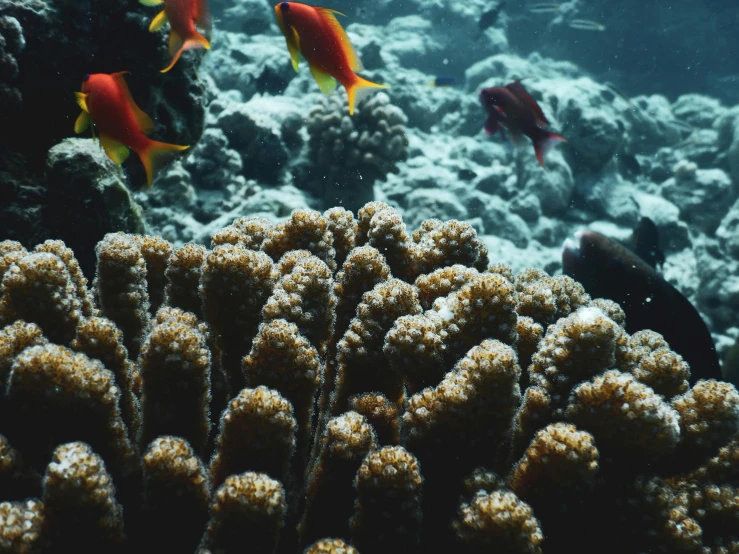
x,y
513,107
490,17
443,81
586,25
106,102
316,33
545,7
609,270
182,16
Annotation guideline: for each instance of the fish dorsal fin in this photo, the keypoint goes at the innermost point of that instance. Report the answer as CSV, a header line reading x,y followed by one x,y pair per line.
x,y
522,94
351,54
82,101
325,82
115,150
203,16
146,125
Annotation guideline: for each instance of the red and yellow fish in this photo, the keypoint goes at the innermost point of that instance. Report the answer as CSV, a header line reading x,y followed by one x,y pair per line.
x,y
182,16
107,103
316,33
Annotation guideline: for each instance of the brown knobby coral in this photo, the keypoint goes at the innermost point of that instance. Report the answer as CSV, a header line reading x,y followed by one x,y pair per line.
x,y
339,383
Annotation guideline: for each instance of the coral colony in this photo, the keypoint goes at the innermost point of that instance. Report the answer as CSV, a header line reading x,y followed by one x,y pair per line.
x,y
336,384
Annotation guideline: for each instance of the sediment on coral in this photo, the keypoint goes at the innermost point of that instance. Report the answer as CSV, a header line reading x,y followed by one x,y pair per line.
x,y
337,383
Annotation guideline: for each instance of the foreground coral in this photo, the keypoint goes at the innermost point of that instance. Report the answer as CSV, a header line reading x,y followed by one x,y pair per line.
x,y
338,384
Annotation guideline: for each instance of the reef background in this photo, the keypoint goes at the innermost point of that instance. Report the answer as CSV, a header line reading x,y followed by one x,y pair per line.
x,y
648,111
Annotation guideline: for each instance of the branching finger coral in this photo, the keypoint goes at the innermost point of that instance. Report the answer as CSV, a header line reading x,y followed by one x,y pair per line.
x,y
284,360
330,546
39,289
175,391
121,288
60,249
498,521
257,433
247,509
99,338
627,418
21,526
387,390
305,230
342,225
56,394
574,349
176,495
156,252
330,495
421,347
184,268
304,296
234,286
387,516
80,508
360,363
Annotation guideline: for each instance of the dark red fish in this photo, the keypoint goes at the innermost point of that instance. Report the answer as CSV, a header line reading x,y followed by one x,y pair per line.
x,y
513,107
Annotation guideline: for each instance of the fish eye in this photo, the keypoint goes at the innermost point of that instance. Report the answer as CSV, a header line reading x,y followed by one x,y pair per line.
x,y
285,6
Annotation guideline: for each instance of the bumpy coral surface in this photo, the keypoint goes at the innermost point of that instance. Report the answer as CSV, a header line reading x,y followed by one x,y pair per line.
x,y
348,154
339,384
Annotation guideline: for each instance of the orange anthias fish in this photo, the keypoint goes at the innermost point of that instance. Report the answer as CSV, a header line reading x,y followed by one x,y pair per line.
x,y
315,33
182,16
106,101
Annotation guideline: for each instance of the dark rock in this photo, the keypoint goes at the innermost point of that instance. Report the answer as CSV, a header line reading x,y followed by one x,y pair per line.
x,y
87,198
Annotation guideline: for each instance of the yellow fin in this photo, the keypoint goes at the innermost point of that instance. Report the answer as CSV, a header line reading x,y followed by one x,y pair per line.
x,y
325,82
146,125
293,46
358,90
177,46
151,2
82,123
351,54
158,22
156,155
175,42
82,101
115,150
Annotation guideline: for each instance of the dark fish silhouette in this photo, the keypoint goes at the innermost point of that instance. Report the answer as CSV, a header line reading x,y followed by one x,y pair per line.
x,y
490,17
645,243
730,369
609,270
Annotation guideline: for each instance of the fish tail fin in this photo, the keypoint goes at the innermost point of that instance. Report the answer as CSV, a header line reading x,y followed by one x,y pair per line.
x,y
358,89
544,142
177,46
156,155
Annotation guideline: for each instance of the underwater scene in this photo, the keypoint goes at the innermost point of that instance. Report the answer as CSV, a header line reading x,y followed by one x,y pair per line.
x,y
369,277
